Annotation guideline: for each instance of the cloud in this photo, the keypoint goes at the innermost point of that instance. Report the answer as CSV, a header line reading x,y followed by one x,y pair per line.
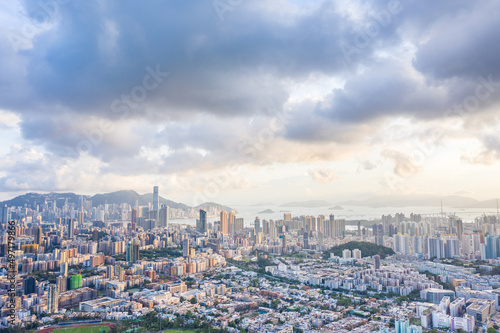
x,y
366,165
404,165
79,93
489,154
322,175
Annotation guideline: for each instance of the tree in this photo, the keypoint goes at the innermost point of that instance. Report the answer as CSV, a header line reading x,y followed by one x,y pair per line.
x,y
193,300
491,330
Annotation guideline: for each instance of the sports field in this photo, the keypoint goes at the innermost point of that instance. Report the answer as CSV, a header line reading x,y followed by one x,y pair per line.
x,y
178,331
82,329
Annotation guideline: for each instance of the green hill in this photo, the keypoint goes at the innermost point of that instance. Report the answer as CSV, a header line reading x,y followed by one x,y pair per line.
x,y
367,249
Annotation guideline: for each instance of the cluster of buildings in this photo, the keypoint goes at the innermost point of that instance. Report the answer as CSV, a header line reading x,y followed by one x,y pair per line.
x,y
122,261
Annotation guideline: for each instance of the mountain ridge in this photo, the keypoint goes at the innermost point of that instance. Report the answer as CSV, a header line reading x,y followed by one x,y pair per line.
x,y
116,197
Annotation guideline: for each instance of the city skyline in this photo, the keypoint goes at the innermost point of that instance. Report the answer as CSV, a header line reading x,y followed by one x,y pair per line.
x,y
329,100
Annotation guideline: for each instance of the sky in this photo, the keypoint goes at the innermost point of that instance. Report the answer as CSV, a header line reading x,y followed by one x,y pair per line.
x,y
245,101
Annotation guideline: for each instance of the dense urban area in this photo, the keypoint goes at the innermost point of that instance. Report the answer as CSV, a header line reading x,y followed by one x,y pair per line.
x,y
127,266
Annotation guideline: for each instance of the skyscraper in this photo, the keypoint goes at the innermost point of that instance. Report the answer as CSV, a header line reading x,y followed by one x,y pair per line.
x,y
306,240
401,326
156,198
376,260
239,225
185,248
38,235
460,229
109,272
52,299
80,219
5,214
224,222
436,247
132,250
491,247
29,285
284,244
202,222
257,225
163,217
62,283
63,269
76,281
71,228
232,222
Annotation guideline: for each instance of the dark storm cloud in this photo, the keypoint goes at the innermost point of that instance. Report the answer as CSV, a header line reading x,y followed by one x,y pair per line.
x,y
94,54
466,44
97,52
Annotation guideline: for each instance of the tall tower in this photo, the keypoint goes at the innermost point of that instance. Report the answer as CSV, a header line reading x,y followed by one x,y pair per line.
x,y
80,219
52,299
163,217
71,228
203,221
232,223
156,198
224,222
5,214
376,260
460,229
38,235
257,225
29,284
185,248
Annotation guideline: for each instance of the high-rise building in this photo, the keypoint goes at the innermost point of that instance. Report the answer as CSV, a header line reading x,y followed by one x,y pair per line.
x,y
401,326
29,284
232,222
109,272
62,283
156,200
380,234
38,235
491,247
436,247
239,224
287,217
451,247
71,228
52,298
319,221
95,235
257,225
132,250
224,222
203,227
376,260
460,229
80,219
417,245
5,214
163,217
63,269
306,240
185,248
76,281
356,254
133,215
284,249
